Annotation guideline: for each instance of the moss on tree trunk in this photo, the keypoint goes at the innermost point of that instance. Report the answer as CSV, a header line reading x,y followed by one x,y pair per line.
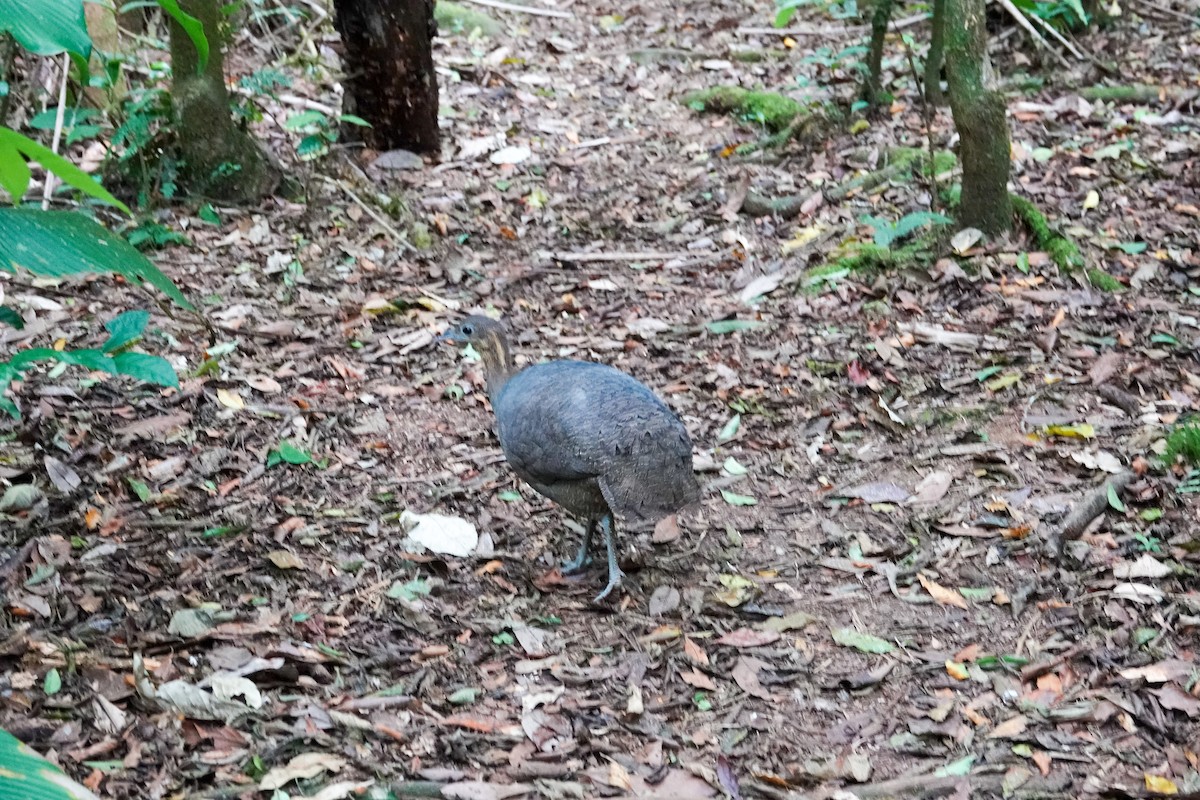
x,y
872,91
978,110
221,160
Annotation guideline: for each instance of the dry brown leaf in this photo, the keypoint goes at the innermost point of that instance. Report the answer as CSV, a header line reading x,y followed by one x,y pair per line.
x,y
944,596
1010,728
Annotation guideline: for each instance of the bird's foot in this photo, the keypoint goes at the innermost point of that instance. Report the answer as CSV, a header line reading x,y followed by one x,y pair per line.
x,y
577,564
614,582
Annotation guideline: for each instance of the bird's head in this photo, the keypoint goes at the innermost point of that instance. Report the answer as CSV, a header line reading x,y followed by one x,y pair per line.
x,y
489,337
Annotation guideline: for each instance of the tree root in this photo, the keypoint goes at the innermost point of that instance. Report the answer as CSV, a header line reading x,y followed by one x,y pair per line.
x,y
1087,510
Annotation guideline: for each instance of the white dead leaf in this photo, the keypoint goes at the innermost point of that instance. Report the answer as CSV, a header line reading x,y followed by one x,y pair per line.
x,y
1144,274
451,536
473,148
261,383
716,64
931,489
647,327
1145,567
303,766
602,285
762,285
65,479
618,777
191,701
965,239
1091,201
635,705
340,790
1137,592
1171,669
228,686
478,790
510,155
1098,459
230,399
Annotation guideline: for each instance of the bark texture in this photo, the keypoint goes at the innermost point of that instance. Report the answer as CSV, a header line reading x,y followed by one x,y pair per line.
x,y
221,160
390,82
979,117
933,62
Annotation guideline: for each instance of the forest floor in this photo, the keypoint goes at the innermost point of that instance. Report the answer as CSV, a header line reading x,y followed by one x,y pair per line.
x,y
864,600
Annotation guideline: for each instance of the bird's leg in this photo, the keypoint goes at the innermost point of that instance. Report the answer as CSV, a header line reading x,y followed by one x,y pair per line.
x,y
614,571
582,560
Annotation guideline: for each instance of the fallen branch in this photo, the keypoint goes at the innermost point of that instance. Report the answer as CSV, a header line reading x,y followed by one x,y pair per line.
x,y
1091,507
640,255
530,10
1021,20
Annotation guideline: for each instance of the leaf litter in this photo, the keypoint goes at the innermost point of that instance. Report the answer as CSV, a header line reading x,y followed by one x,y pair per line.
x,y
214,581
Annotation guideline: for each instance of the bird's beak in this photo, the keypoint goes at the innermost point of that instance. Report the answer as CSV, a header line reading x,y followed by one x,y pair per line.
x,y
449,337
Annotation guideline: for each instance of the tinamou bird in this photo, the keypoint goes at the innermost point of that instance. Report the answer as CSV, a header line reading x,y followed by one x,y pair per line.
x,y
588,436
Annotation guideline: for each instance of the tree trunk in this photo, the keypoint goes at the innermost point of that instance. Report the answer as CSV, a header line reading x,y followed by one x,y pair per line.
x,y
933,62
978,109
388,59
220,159
872,91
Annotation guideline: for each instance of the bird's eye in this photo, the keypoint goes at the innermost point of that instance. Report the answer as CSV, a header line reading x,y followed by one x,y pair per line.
x,y
468,330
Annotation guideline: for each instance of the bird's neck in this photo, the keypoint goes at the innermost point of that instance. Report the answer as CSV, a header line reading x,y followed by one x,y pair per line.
x,y
498,364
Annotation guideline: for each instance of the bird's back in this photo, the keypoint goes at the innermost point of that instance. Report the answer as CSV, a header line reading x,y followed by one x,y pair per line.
x,y
570,427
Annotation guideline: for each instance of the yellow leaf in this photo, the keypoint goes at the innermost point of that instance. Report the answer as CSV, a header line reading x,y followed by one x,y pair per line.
x,y
1154,783
956,670
789,42
230,399
1080,430
801,237
1091,201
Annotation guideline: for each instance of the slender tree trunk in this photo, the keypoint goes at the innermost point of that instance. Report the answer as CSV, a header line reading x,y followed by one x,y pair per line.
x,y
933,62
221,160
873,89
388,59
979,117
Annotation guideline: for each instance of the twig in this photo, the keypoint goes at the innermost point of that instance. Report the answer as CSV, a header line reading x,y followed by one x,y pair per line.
x,y
48,187
640,255
291,100
401,239
1021,20
857,30
1048,28
1088,509
535,12
1120,398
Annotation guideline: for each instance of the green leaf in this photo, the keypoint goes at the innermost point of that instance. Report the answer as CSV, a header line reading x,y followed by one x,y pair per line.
x,y
955,769
509,496
304,119
52,684
193,28
865,642
721,327
735,499
1165,338
145,367
1151,514
293,454
47,27
730,430
25,774
125,329
987,372
702,702
733,466
209,214
1114,499
10,317
354,120
60,243
140,489
464,697
15,146
409,590
1132,248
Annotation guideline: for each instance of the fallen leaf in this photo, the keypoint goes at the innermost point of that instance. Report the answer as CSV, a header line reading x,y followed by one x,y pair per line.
x,y
944,596
748,637
451,536
745,674
698,679
285,559
877,492
1010,728
865,642
303,766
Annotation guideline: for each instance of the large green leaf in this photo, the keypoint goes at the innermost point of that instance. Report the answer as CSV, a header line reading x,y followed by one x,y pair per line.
x,y
192,27
47,27
147,368
125,329
18,147
60,243
142,366
26,775
11,318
